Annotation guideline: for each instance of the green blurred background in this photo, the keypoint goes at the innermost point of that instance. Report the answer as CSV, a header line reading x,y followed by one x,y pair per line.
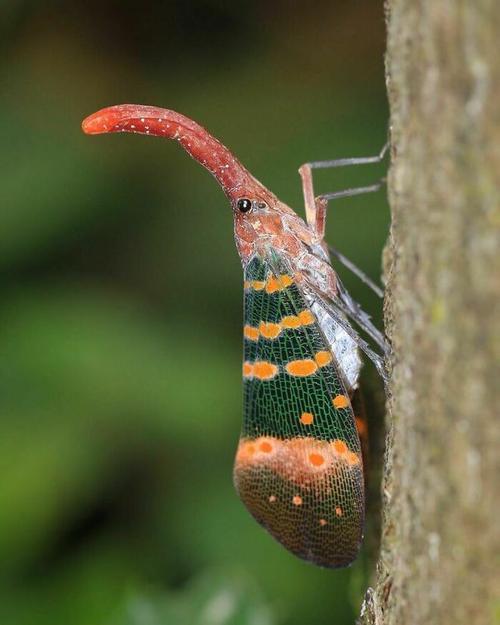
x,y
121,300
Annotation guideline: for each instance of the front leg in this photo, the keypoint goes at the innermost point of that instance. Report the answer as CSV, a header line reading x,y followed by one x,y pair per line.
x,y
315,207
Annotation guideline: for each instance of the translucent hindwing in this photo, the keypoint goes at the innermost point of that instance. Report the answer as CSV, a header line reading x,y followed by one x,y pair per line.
x,y
298,466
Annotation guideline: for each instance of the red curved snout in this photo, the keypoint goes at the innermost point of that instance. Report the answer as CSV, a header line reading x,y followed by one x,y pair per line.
x,y
235,180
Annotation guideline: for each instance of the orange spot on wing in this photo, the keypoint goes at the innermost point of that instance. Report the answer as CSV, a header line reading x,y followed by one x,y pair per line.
x,y
266,447
264,370
316,459
352,458
269,330
306,418
339,446
272,498
251,333
278,284
338,511
285,281
306,317
258,285
291,322
247,284
302,368
323,358
305,462
246,450
272,285
340,401
297,500
322,522
247,369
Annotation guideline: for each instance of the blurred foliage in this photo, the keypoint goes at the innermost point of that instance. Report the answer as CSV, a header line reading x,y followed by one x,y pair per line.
x,y
120,319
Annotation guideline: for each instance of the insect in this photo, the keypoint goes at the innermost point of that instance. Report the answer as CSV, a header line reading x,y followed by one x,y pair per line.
x,y
298,466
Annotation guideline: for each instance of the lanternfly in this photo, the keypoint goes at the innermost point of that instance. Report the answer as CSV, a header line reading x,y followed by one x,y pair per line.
x,y
298,466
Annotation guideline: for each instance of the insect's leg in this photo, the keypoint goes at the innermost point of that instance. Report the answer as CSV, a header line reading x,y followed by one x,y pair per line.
x,y
337,309
356,271
372,188
346,162
316,206
355,312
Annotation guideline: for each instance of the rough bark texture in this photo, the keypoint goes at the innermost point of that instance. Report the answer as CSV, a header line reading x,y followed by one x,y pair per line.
x,y
440,548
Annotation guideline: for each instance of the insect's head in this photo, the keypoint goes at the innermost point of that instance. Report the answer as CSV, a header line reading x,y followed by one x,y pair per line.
x,y
249,209
257,212
255,219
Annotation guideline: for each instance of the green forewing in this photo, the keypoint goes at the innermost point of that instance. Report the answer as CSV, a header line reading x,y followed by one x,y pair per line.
x,y
298,467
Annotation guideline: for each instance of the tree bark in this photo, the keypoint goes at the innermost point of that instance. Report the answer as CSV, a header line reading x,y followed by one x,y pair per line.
x,y
439,559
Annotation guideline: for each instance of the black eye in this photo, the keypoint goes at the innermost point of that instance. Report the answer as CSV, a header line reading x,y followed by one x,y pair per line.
x,y
244,205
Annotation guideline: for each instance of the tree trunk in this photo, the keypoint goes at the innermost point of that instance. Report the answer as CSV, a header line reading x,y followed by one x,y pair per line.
x,y
439,561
